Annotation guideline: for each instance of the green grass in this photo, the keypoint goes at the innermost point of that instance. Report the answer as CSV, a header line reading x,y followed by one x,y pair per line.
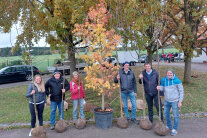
x,y
14,106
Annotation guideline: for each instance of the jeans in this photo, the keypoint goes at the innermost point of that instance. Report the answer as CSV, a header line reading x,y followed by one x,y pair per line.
x,y
53,106
75,107
40,109
132,98
149,100
175,110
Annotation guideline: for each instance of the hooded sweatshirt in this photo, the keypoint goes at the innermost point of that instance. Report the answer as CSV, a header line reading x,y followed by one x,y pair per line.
x,y
173,89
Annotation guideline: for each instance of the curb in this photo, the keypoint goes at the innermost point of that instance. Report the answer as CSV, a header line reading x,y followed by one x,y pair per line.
x,y
182,116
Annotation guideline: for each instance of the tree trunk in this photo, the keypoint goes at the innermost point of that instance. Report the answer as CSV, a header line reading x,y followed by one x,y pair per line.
x,y
187,71
149,54
71,58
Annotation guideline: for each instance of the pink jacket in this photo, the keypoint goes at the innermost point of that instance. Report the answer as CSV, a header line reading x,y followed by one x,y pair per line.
x,y
75,92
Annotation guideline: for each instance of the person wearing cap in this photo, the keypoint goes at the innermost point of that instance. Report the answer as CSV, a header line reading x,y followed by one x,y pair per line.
x,y
150,81
174,93
128,89
54,88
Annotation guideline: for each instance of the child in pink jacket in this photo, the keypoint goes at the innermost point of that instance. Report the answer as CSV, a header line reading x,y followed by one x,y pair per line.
x,y
76,87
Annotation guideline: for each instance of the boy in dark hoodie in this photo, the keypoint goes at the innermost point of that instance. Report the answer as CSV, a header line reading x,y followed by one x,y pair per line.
x,y
174,93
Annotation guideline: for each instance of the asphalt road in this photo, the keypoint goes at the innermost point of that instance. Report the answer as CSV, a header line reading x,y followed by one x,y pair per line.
x,y
194,66
188,128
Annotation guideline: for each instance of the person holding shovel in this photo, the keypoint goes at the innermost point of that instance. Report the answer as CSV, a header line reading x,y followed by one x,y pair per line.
x,y
40,97
54,88
174,93
76,87
128,89
150,79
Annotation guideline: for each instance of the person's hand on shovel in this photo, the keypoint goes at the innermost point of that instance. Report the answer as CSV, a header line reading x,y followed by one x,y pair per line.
x,y
32,92
63,90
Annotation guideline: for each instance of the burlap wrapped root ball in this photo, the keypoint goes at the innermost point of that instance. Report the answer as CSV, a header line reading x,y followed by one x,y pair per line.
x,y
160,129
88,107
145,124
80,123
122,122
61,126
38,132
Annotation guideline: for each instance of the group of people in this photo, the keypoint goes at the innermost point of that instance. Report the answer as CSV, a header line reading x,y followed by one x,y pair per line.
x,y
171,88
55,88
169,57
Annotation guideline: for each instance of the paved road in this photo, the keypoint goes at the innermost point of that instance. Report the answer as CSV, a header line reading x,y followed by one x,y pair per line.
x,y
9,85
195,66
189,128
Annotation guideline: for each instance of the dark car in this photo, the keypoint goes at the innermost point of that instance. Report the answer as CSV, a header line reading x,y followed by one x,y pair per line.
x,y
17,73
143,59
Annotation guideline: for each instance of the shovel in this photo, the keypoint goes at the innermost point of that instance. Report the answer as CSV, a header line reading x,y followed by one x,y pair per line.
x,y
61,125
145,123
80,123
38,131
160,128
122,122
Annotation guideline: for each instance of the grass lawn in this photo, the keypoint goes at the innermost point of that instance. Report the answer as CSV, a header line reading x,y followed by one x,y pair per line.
x,y
14,106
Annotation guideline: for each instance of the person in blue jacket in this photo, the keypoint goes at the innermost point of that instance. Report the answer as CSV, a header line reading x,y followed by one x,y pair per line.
x,y
174,93
128,89
40,98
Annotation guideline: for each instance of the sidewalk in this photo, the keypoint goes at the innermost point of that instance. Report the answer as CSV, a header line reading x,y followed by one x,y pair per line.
x,y
189,128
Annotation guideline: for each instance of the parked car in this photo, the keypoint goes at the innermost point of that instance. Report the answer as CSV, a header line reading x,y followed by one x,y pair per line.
x,y
111,60
143,59
17,73
180,57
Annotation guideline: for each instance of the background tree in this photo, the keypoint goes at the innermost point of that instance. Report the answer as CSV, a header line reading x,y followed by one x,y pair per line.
x,y
53,19
187,24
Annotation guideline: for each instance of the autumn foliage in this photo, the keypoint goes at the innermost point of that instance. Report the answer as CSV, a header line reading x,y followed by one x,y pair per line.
x,y
102,43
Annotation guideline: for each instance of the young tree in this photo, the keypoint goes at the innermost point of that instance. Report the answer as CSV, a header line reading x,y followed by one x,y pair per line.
x,y
102,43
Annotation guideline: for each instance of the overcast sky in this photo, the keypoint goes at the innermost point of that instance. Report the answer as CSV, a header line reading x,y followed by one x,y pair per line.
x,y
9,39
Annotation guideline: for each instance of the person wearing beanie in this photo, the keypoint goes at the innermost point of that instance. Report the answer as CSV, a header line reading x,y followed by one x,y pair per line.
x,y
128,89
150,81
54,88
174,93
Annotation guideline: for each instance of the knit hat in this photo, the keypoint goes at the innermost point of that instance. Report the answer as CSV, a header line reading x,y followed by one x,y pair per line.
x,y
126,62
56,71
170,70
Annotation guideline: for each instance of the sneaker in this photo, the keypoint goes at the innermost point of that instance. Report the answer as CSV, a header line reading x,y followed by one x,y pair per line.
x,y
52,127
135,121
173,132
30,133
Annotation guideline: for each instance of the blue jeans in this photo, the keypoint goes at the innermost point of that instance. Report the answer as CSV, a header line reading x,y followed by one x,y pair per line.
x,y
75,106
132,98
175,110
53,106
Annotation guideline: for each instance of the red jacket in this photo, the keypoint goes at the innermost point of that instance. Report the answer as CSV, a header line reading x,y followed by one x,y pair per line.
x,y
75,92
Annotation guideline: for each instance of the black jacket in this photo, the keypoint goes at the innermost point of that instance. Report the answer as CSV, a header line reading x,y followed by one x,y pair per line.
x,y
127,81
150,86
54,88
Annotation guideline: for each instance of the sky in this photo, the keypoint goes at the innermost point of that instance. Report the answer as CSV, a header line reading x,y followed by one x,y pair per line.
x,y
9,39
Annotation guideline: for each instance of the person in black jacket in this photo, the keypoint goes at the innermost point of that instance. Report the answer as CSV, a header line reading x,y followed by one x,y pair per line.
x,y
150,80
128,89
54,87
40,98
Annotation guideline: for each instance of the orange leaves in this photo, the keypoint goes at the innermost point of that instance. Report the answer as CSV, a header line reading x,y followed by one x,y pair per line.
x,y
102,43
